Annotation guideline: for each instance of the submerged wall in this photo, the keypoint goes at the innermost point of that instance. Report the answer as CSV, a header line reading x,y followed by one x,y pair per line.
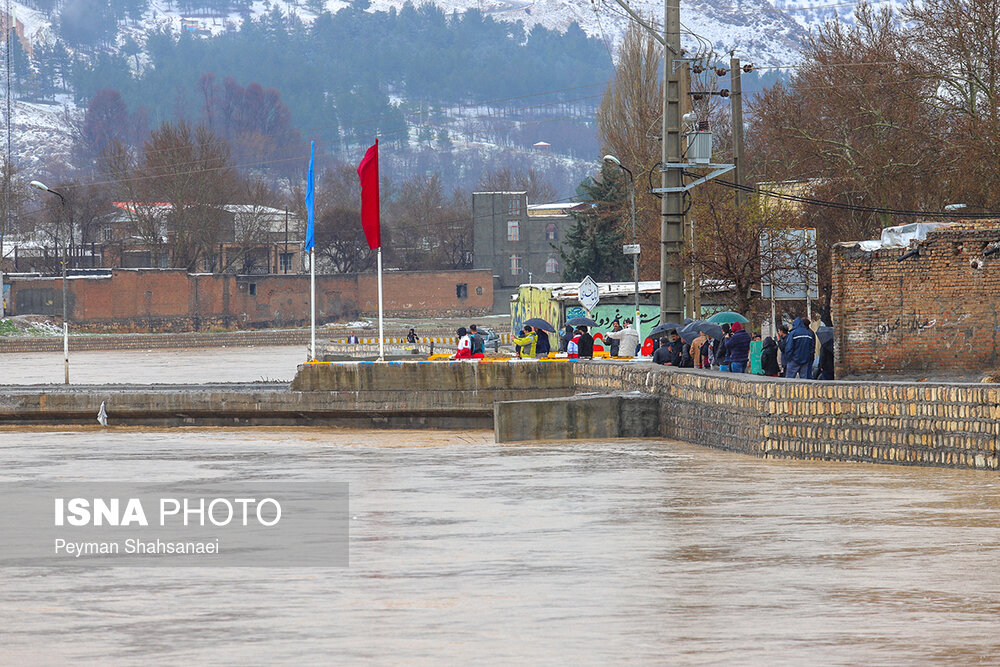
x,y
954,425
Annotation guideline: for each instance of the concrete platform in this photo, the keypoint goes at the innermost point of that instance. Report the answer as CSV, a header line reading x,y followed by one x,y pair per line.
x,y
583,417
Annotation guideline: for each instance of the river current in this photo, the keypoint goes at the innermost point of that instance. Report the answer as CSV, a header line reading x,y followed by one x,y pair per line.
x,y
572,553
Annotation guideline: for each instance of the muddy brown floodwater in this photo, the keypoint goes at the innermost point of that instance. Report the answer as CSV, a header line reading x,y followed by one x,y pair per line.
x,y
462,550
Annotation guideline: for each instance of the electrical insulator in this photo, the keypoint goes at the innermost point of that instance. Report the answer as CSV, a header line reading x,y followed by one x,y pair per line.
x,y
697,97
703,126
697,69
722,71
748,68
724,92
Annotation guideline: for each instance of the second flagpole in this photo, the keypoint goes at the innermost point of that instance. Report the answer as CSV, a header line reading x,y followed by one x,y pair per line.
x,y
381,334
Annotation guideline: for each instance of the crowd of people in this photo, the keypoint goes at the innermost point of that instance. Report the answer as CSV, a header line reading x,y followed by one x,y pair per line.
x,y
792,354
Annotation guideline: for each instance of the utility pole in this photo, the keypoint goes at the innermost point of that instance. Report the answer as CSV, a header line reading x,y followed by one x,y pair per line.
x,y
691,285
671,217
736,100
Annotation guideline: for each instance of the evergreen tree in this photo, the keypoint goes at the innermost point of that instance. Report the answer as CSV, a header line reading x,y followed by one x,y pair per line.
x,y
594,244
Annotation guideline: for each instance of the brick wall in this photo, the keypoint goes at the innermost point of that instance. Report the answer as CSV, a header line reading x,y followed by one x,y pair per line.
x,y
936,312
904,423
172,300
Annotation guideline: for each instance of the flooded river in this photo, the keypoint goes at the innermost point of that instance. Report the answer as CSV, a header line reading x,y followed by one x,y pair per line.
x,y
578,553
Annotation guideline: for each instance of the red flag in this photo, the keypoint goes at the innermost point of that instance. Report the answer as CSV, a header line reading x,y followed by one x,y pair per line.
x,y
368,173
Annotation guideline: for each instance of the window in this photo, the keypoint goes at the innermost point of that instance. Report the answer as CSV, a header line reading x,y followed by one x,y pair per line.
x,y
253,289
513,230
515,265
552,265
285,262
514,206
462,290
109,233
551,232
479,291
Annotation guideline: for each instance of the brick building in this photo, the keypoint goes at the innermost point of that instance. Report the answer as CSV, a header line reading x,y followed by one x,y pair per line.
x,y
174,300
935,311
517,242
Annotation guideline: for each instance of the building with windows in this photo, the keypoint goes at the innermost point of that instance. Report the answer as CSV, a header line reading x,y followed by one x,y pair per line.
x,y
519,242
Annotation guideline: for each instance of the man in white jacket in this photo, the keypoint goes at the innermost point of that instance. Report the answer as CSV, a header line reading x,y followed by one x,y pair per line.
x,y
629,338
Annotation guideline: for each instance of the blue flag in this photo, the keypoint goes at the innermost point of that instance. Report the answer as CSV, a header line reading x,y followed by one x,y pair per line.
x,y
311,202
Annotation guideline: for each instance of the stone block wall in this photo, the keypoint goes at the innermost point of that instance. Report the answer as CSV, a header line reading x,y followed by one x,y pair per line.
x,y
936,312
909,423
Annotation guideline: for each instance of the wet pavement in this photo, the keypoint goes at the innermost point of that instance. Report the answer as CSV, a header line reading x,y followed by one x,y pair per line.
x,y
569,553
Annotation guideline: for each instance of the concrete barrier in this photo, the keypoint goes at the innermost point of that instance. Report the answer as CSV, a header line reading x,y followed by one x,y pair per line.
x,y
448,395
583,417
232,405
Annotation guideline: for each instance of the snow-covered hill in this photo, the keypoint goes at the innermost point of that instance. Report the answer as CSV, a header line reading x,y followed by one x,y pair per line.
x,y
814,13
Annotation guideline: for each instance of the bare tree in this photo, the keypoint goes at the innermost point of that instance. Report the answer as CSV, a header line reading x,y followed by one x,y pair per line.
x,y
175,191
505,179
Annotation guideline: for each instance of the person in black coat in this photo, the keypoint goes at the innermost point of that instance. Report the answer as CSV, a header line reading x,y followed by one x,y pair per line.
x,y
769,358
826,360
586,343
566,337
661,355
542,347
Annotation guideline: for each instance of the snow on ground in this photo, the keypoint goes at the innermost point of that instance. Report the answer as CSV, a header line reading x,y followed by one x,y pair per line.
x,y
42,137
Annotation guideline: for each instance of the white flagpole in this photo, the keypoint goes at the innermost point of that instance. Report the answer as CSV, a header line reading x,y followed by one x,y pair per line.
x,y
312,300
381,336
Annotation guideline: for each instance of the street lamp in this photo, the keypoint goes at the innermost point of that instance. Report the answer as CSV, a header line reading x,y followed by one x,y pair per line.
x,y
634,249
38,185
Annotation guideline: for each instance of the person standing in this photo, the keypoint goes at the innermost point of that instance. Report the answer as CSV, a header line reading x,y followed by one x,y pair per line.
x,y
615,342
464,350
800,350
722,351
478,342
526,343
661,355
738,347
782,341
542,346
769,358
628,339
826,360
411,336
585,344
565,338
699,351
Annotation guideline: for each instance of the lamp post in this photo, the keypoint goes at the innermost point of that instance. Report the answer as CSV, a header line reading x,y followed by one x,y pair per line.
x,y
38,185
634,250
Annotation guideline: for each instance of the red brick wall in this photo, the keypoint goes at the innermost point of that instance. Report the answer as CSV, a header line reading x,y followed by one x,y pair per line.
x,y
173,300
427,291
937,312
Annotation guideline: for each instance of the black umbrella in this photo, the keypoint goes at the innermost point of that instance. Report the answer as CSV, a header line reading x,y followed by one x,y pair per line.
x,y
539,323
824,334
582,322
664,328
711,328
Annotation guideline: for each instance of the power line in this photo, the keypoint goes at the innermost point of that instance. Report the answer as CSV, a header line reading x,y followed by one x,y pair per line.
x,y
851,207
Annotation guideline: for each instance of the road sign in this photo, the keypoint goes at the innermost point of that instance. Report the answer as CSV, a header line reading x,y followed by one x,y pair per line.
x,y
631,249
589,294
